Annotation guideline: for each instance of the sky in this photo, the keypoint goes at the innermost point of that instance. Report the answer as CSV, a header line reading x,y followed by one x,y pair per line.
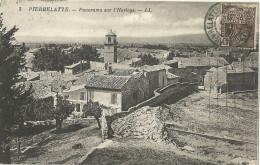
x,y
165,18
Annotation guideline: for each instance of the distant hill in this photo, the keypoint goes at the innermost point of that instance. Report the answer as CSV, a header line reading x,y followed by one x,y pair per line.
x,y
193,38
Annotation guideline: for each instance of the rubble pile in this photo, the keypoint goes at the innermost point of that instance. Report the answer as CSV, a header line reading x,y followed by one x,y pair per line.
x,y
144,123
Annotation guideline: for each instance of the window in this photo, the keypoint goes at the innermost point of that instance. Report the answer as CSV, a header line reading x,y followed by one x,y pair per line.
x,y
78,107
82,96
113,98
91,95
109,39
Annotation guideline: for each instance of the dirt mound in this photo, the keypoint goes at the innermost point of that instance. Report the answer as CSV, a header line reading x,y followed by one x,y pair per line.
x,y
144,123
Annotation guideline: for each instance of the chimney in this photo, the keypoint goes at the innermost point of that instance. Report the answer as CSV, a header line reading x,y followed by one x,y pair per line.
x,y
106,66
60,90
110,70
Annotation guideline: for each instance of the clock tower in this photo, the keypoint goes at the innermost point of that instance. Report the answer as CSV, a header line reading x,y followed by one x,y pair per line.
x,y
110,54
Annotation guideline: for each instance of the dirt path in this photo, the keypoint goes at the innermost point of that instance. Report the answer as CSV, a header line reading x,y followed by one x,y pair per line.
x,y
58,148
139,151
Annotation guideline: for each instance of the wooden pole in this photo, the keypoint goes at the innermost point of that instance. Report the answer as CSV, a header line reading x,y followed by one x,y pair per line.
x,y
18,146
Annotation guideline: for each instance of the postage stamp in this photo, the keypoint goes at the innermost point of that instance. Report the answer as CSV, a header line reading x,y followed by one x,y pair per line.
x,y
238,25
232,25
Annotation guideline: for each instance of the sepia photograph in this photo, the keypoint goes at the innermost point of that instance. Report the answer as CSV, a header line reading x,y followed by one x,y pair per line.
x,y
129,82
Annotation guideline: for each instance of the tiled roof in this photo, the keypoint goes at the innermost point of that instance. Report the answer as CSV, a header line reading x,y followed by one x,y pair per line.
x,y
199,61
29,75
123,72
231,69
40,89
74,65
108,82
184,74
153,67
84,78
129,62
126,53
135,73
74,88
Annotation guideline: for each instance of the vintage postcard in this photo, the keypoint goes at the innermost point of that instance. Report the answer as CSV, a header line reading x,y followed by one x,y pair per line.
x,y
129,82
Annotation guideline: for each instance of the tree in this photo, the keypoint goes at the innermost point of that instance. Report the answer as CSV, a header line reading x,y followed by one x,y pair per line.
x,y
51,57
171,55
37,110
12,96
93,109
160,46
42,109
61,111
149,59
86,52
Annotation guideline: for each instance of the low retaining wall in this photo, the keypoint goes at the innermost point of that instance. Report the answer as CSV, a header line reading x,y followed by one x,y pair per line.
x,y
174,91
245,91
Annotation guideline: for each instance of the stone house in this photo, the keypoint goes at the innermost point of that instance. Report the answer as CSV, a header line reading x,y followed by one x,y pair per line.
x,y
127,54
77,95
184,75
229,79
198,65
156,76
118,92
134,62
76,68
180,62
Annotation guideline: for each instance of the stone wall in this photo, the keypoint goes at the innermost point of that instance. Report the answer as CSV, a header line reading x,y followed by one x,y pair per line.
x,y
146,123
136,91
174,91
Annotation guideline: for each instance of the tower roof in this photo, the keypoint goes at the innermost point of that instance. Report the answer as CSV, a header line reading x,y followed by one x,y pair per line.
x,y
111,33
